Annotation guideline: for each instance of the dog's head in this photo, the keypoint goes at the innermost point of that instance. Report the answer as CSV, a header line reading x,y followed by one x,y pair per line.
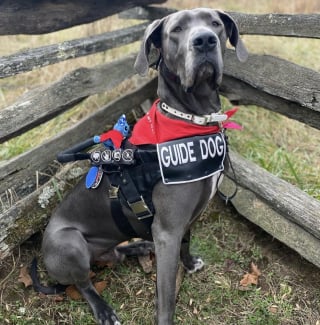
x,y
192,44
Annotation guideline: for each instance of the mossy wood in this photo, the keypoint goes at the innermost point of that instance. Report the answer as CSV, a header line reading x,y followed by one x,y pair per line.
x,y
27,216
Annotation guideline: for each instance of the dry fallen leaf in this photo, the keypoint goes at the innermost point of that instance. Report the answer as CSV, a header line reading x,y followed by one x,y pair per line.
x,y
24,277
146,262
255,270
100,286
57,298
73,293
250,278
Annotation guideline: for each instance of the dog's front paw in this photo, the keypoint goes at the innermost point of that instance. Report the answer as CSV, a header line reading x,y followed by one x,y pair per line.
x,y
195,265
105,315
109,318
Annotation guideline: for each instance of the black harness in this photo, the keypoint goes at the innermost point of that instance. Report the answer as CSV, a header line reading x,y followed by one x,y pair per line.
x,y
131,188
132,173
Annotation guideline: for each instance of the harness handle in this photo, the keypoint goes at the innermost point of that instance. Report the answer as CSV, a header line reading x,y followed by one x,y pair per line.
x,y
111,139
107,156
74,153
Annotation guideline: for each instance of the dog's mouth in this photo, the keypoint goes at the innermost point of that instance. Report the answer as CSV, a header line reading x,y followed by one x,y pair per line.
x,y
205,74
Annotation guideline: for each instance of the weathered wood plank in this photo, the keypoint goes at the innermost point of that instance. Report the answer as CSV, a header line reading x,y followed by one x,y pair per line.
x,y
19,173
146,13
31,59
40,105
277,77
261,213
297,25
285,199
38,17
240,93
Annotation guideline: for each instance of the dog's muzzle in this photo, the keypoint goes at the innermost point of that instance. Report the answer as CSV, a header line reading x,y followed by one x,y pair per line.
x,y
204,41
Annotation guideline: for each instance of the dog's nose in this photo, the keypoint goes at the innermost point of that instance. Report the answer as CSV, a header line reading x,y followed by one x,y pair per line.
x,y
204,42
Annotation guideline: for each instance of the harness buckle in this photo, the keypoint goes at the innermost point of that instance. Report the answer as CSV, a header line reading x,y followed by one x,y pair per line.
x,y
113,192
200,120
140,209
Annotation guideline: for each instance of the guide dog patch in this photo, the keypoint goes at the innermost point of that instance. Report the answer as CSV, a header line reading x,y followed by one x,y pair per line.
x,y
191,159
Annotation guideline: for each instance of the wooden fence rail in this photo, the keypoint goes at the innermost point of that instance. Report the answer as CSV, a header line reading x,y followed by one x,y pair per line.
x,y
46,16
43,56
41,105
276,84
298,25
281,209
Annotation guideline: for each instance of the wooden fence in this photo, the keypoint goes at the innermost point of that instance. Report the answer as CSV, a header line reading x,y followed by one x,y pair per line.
x,y
28,193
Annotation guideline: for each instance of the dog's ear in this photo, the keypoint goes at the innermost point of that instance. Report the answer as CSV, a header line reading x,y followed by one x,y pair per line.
x,y
152,35
233,35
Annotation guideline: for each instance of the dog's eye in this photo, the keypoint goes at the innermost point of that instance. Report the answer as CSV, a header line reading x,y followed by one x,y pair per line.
x,y
215,24
177,29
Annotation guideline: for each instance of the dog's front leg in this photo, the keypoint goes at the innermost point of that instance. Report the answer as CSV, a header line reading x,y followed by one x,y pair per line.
x,y
177,207
167,248
103,313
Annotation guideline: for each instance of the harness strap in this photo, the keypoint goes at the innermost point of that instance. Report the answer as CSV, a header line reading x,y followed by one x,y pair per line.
x,y
132,188
127,224
227,198
121,219
134,199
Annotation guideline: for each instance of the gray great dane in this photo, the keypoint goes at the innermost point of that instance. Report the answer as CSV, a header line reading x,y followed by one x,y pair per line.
x,y
191,44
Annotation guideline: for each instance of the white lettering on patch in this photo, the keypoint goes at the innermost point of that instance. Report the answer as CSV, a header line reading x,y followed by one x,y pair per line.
x,y
177,154
189,159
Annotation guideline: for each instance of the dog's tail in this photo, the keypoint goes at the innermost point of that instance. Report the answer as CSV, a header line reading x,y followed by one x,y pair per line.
x,y
38,287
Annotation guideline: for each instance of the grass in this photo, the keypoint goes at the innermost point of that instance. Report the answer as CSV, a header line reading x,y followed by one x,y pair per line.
x,y
287,292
